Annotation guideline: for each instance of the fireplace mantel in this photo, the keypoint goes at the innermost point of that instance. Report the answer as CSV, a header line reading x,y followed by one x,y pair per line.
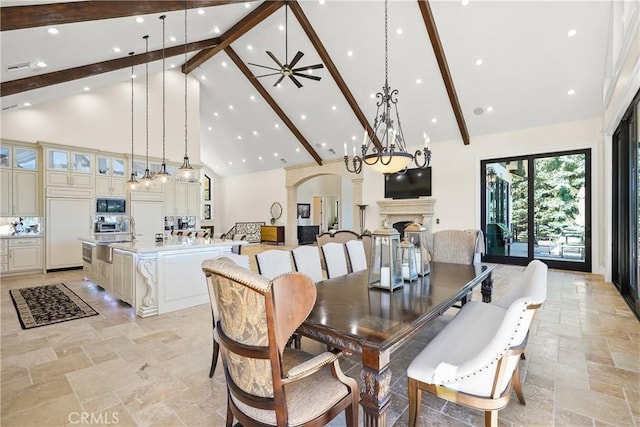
x,y
420,210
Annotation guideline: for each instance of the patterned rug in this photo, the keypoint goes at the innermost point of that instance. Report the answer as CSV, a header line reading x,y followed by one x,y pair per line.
x,y
48,304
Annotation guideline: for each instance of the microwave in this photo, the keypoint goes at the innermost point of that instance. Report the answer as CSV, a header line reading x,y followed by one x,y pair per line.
x,y
111,206
107,227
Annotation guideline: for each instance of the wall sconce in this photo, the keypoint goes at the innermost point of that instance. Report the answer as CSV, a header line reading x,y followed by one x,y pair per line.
x,y
492,176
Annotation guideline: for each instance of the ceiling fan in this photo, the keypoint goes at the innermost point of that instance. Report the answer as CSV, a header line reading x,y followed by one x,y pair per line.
x,y
287,69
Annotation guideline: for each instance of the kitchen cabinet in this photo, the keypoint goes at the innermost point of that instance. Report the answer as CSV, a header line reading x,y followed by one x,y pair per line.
x,y
19,195
148,218
182,199
67,219
69,169
123,276
101,274
155,186
110,176
21,255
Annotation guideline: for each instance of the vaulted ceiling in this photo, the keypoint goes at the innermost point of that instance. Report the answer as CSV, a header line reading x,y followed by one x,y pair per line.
x,y
462,68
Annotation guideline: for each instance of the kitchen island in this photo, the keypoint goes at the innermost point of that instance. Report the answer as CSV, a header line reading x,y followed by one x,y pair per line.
x,y
155,278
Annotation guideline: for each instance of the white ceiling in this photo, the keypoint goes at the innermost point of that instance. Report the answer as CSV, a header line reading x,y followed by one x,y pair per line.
x,y
529,65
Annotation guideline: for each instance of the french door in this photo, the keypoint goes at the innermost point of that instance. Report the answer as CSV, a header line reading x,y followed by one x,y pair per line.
x,y
538,207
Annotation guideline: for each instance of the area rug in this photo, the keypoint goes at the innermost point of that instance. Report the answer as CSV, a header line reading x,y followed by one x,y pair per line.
x,y
48,304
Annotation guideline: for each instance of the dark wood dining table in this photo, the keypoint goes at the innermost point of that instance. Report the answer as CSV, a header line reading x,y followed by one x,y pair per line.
x,y
375,322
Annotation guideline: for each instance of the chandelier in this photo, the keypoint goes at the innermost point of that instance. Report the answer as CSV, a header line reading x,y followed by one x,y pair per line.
x,y
393,156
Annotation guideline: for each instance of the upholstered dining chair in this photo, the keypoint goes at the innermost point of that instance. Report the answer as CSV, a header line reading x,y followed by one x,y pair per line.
x,y
480,370
335,259
269,384
454,246
307,260
357,257
273,262
240,260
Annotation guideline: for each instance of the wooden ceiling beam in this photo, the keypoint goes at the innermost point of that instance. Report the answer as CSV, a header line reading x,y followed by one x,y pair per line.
x,y
252,19
56,77
438,50
333,70
272,103
40,15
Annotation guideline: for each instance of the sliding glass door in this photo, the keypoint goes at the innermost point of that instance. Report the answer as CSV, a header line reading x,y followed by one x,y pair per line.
x,y
538,207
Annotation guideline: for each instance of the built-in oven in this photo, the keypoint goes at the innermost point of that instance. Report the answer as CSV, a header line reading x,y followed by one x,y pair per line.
x,y
87,252
110,206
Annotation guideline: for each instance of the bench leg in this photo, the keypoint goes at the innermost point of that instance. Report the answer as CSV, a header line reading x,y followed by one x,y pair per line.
x,y
518,386
415,397
491,418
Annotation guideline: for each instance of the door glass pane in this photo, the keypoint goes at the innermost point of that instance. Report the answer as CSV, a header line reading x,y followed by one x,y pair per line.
x,y
81,162
58,160
103,166
5,160
507,206
26,158
118,167
559,211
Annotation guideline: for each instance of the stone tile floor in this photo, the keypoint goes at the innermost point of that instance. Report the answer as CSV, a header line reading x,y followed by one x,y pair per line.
x,y
582,367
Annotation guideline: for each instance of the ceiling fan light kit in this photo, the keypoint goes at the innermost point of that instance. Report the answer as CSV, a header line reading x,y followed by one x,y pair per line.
x,y
287,69
394,156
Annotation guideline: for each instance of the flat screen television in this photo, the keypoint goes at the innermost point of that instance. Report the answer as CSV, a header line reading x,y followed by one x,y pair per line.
x,y
412,184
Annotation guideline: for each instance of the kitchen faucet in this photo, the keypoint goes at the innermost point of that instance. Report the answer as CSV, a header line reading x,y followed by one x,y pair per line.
x,y
132,225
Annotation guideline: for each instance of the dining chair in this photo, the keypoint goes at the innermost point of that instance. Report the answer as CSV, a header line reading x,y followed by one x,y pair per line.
x,y
357,257
481,370
268,383
273,262
307,260
454,246
240,260
335,259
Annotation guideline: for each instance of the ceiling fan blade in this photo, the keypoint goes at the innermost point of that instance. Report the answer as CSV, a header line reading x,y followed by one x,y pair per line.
x,y
307,76
295,59
293,79
270,74
279,80
272,56
264,66
309,67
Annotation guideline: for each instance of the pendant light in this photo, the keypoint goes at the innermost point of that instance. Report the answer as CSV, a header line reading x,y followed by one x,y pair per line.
x,y
163,175
133,182
186,168
146,178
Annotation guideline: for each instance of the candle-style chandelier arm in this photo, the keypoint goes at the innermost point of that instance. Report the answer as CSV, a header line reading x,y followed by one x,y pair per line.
x,y
426,161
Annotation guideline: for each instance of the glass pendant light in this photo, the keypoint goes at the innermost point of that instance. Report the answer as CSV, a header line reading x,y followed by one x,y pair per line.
x,y
186,168
133,182
146,178
163,175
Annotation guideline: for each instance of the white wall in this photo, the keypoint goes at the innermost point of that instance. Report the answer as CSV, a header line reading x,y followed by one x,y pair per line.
x,y
101,119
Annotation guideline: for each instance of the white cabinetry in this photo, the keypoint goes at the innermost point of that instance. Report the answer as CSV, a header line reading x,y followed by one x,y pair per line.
x,y
4,255
101,274
67,220
148,217
182,199
68,170
18,181
123,276
110,176
20,254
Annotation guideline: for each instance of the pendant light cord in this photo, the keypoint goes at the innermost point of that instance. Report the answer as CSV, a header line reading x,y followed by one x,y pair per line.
x,y
146,38
185,81
131,77
286,33
163,95
386,45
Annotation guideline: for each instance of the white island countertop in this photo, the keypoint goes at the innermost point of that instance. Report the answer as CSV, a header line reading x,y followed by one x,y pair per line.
x,y
174,243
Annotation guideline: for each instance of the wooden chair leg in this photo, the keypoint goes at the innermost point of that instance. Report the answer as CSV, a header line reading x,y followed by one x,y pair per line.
x,y
214,358
517,386
491,418
229,422
415,398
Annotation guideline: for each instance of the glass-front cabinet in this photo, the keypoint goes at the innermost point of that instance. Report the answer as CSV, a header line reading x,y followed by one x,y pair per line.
x,y
110,176
18,180
69,168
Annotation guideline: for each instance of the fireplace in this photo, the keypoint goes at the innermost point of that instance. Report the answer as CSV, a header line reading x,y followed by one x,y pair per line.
x,y
420,210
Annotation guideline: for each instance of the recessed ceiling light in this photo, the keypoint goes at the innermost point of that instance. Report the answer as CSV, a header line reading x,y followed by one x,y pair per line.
x,y
309,71
253,98
281,27
230,163
249,47
353,137
279,85
418,81
173,65
209,128
297,150
87,88
247,5
200,11
255,132
216,29
224,64
434,120
372,95
571,92
275,154
203,77
277,125
489,109
244,160
139,19
41,64
349,53
334,108
479,61
52,30
321,1
133,76
239,137
572,32
324,144
259,157
215,114
27,104
172,39
399,31
230,107
465,2
303,117
116,49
